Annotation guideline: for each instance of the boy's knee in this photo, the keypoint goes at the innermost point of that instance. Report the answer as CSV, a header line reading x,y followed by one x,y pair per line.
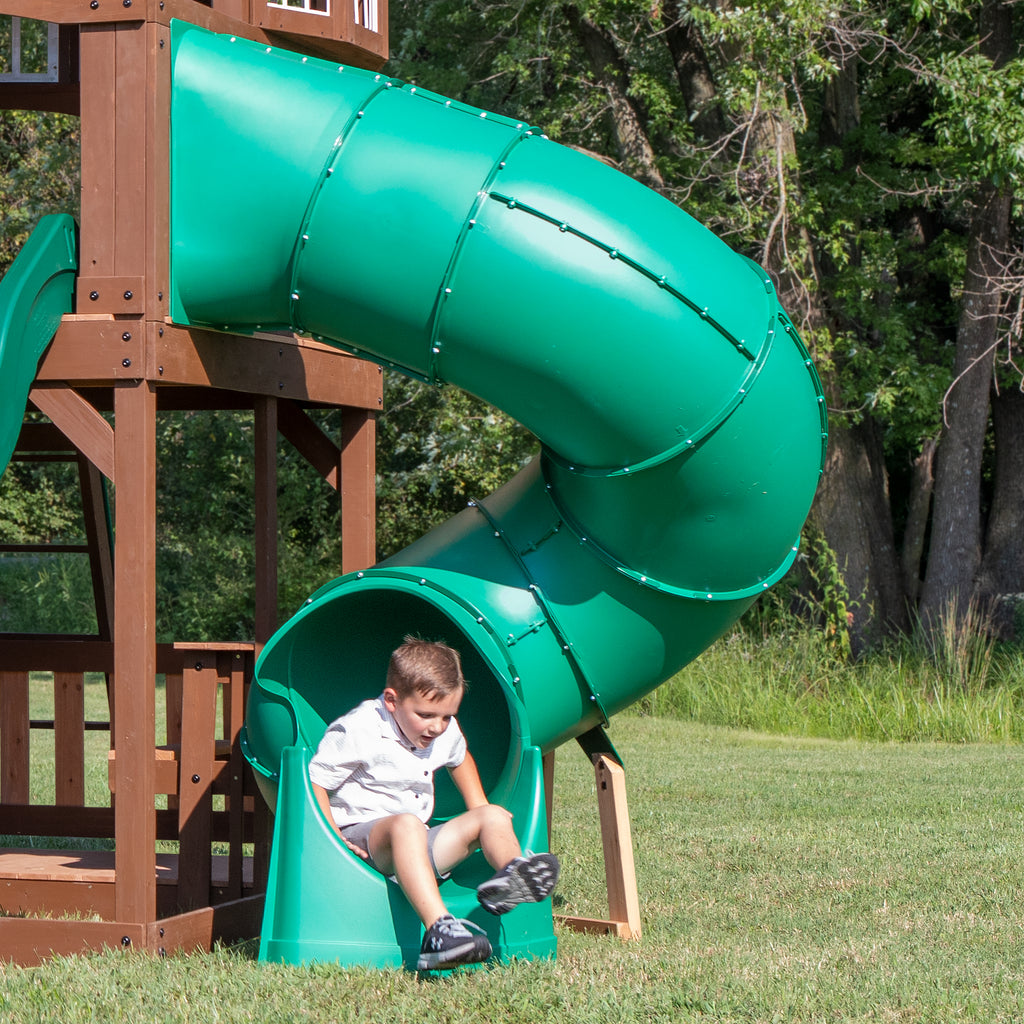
x,y
399,829
406,824
495,816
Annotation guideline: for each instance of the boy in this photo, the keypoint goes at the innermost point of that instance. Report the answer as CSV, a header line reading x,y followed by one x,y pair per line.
x,y
373,776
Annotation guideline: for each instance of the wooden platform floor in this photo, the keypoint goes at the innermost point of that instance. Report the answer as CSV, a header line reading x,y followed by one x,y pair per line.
x,y
97,867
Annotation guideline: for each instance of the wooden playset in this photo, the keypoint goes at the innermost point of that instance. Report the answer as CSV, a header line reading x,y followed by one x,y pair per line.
x,y
118,353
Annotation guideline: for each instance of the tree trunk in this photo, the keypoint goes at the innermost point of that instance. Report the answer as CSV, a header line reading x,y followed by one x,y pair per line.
x,y
954,556
852,510
922,484
1002,567
693,73
627,121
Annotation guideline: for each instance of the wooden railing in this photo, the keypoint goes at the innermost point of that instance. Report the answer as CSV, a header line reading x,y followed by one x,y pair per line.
x,y
199,759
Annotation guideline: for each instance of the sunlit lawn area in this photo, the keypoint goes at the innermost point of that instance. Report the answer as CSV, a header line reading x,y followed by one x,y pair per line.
x,y
780,880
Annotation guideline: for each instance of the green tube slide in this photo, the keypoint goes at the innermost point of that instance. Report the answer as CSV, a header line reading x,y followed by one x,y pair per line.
x,y
681,421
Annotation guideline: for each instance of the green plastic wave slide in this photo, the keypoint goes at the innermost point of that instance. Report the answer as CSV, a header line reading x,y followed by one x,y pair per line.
x,y
34,294
682,428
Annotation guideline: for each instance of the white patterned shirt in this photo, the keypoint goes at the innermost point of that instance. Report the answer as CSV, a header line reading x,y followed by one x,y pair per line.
x,y
370,770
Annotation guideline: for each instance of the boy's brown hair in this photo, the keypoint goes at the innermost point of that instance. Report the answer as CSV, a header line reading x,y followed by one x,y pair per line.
x,y
426,667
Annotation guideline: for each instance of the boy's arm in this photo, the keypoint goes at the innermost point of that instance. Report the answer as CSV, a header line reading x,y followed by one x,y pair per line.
x,y
323,798
467,780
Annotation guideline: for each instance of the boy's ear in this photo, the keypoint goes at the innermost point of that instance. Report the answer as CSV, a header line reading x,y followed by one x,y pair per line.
x,y
390,698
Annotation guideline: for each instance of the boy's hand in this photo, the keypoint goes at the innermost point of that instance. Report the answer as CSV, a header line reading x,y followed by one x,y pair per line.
x,y
355,849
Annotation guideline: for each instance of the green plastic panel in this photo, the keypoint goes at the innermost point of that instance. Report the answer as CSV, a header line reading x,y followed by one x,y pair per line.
x,y
35,293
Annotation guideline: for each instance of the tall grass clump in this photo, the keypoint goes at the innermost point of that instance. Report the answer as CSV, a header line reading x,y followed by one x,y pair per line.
x,y
952,682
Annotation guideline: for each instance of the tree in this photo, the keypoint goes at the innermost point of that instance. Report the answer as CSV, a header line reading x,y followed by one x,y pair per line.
x,y
828,143
973,85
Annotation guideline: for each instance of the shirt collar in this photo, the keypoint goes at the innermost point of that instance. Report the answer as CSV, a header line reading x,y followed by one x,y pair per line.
x,y
391,730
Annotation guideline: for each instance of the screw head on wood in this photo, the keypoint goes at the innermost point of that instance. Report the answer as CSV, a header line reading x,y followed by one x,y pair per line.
x,y
94,296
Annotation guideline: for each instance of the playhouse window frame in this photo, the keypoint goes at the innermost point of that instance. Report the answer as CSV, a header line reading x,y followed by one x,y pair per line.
x,y
16,74
320,7
366,13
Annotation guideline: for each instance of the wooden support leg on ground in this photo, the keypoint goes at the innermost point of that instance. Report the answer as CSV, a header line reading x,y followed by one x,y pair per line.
x,y
616,838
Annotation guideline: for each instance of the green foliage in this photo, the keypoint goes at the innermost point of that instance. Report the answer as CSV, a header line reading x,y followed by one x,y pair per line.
x,y
39,168
43,592
980,117
790,683
438,449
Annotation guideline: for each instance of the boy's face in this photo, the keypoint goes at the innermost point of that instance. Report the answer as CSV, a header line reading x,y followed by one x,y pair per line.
x,y
422,719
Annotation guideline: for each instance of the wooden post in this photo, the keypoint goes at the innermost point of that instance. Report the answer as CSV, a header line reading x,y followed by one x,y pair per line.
x,y
135,651
69,738
195,785
14,733
358,504
617,842
266,413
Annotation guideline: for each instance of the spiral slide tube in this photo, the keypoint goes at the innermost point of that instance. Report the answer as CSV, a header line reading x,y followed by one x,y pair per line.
x,y
682,425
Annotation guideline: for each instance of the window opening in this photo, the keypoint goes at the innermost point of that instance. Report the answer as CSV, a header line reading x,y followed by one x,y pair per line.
x,y
309,6
365,14
29,50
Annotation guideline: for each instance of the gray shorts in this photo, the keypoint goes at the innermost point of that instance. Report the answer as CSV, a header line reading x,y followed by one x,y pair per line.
x,y
359,834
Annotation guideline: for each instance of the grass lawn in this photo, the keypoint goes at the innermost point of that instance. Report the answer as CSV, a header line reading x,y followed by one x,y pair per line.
x,y
780,880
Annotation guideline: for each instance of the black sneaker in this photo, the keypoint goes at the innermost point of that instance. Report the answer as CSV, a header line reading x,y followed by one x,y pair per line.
x,y
528,879
450,942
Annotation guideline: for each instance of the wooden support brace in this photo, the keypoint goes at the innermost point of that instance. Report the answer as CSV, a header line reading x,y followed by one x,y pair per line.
x,y
617,841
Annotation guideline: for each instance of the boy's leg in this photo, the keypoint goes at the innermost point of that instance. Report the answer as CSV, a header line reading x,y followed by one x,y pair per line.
x,y
398,846
487,828
518,879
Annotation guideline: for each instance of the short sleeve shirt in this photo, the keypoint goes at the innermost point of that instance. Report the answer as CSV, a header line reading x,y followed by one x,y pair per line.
x,y
370,770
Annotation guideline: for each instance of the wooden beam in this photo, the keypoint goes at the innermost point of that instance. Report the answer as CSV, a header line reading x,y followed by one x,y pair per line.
x,y
135,650
228,922
282,366
358,495
99,541
266,417
157,165
311,442
89,348
617,839
234,672
30,941
623,918
195,790
80,423
98,822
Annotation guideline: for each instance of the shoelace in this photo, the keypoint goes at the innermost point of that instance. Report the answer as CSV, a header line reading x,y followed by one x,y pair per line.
x,y
452,927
